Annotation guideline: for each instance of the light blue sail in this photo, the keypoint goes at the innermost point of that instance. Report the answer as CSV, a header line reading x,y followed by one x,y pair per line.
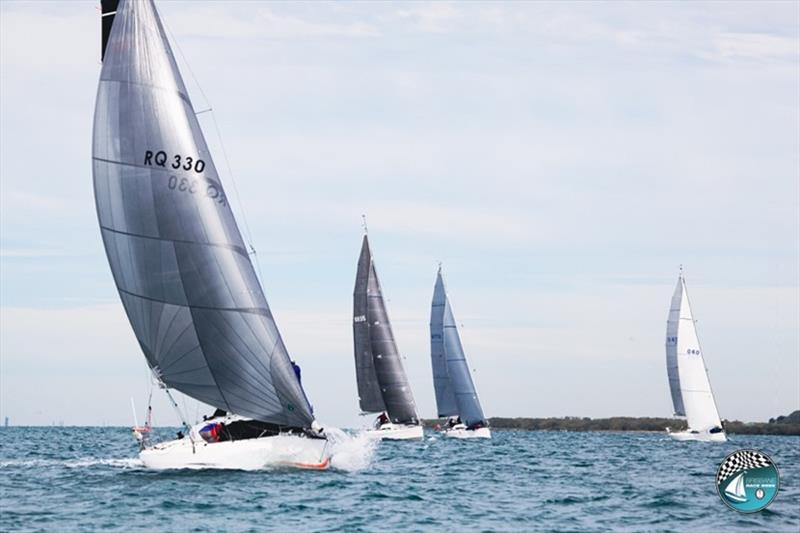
x,y
452,380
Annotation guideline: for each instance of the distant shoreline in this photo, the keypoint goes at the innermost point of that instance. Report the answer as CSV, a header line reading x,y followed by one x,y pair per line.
x,y
782,425
625,423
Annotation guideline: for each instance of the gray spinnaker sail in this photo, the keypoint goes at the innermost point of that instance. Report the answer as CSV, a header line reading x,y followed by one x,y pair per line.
x,y
445,398
179,262
382,381
461,386
672,350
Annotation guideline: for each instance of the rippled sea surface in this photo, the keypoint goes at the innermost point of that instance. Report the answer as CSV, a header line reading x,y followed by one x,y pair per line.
x,y
89,478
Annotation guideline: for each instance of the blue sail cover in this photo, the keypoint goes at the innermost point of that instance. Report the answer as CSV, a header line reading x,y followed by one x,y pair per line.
x,y
179,262
458,386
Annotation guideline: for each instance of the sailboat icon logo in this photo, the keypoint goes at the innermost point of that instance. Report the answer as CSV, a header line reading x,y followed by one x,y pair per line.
x,y
747,481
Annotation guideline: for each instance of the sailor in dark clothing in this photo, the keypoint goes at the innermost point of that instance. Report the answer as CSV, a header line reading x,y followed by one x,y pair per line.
x,y
298,375
453,421
296,369
382,419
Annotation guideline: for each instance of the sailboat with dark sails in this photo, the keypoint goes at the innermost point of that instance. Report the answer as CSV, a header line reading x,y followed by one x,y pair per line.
x,y
181,267
382,383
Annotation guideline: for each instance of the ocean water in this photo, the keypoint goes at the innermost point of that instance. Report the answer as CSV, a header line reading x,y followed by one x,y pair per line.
x,y
63,478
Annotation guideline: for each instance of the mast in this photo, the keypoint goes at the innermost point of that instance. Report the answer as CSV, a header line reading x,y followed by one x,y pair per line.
x,y
176,253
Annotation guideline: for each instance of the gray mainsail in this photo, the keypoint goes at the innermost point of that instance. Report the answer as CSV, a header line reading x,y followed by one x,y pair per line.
x,y
459,386
382,381
445,398
369,391
179,262
673,375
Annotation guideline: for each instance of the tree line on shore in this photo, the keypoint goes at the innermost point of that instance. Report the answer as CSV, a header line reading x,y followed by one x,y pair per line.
x,y
782,425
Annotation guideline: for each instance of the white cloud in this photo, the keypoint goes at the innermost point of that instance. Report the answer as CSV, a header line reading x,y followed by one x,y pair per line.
x,y
431,17
253,20
757,46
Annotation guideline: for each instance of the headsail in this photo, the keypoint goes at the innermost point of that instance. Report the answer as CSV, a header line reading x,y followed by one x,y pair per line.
x,y
178,259
382,381
692,377
460,386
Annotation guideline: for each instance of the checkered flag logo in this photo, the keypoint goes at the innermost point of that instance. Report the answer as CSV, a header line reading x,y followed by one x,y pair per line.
x,y
741,460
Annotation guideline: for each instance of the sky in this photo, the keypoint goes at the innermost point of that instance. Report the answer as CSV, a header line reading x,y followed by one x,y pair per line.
x,y
560,159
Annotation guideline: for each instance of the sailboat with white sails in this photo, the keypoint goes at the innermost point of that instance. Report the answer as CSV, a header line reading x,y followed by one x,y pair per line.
x,y
382,383
456,397
181,267
688,377
735,489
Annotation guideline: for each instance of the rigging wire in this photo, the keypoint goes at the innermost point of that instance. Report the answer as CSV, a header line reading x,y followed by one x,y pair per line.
x,y
210,110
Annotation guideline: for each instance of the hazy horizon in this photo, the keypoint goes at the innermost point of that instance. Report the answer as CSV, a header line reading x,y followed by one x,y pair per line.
x,y
561,160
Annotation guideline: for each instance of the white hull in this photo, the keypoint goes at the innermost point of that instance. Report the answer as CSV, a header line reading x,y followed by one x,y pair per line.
x,y
247,454
703,436
464,433
396,432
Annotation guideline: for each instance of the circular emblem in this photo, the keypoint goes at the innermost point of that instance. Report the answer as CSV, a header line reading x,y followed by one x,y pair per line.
x,y
747,481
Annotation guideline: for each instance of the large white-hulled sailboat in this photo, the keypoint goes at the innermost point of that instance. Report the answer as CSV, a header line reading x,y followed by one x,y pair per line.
x,y
456,397
181,267
382,383
688,378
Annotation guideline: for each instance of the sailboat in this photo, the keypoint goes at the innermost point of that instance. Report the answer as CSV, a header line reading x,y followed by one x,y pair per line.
x,y
382,383
688,378
181,267
735,489
456,397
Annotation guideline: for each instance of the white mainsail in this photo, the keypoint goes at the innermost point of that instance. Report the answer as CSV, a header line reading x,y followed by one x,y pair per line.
x,y
691,391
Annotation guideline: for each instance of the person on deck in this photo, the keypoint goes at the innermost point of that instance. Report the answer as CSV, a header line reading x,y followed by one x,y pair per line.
x,y
382,419
298,375
297,372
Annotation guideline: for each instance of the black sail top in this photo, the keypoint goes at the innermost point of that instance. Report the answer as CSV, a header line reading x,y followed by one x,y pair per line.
x,y
179,262
382,381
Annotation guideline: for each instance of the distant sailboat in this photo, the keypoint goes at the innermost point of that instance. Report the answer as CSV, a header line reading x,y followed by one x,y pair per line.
x,y
688,379
456,396
382,383
735,489
181,267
